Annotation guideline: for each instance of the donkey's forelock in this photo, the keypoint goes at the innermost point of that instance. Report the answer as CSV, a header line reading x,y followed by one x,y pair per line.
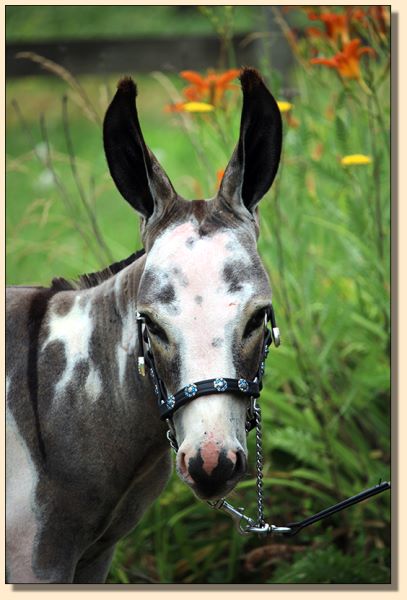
x,y
209,216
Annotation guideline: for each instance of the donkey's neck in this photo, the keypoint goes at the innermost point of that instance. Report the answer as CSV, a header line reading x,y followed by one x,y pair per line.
x,y
98,332
89,389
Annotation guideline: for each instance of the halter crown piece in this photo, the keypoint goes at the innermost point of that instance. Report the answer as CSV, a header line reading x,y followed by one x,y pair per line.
x,y
169,403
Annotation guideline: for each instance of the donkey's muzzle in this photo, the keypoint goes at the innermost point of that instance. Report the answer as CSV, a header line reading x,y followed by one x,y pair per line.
x,y
213,474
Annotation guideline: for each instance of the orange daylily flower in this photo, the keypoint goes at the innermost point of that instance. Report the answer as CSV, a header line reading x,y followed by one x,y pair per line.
x,y
310,12
204,91
347,62
314,32
291,120
197,90
357,14
379,13
336,24
209,89
382,17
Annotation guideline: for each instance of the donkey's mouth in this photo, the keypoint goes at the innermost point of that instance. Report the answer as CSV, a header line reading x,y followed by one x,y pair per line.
x,y
220,481
214,494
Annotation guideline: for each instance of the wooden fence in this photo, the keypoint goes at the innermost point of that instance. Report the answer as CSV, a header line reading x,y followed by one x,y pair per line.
x,y
145,54
103,56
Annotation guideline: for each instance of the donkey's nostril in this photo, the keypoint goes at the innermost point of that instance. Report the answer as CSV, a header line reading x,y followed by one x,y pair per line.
x,y
182,465
240,464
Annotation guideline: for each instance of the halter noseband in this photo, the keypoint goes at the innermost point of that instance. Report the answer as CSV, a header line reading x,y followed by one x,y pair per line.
x,y
169,403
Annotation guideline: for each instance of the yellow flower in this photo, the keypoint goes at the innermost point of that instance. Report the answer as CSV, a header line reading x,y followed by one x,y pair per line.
x,y
198,107
284,106
356,159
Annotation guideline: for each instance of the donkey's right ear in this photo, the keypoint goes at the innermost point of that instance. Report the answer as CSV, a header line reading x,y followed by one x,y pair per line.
x,y
254,163
136,172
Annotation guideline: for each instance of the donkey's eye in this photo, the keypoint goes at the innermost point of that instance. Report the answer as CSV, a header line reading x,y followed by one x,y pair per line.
x,y
155,329
254,322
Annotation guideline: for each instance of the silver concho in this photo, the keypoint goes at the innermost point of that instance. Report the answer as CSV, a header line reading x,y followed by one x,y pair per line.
x,y
243,385
190,390
170,401
220,384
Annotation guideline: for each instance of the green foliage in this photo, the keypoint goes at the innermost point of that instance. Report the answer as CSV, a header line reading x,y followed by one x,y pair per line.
x,y
330,565
325,241
67,22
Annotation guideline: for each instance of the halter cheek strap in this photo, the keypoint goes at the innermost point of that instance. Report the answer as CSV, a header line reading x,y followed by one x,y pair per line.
x,y
169,403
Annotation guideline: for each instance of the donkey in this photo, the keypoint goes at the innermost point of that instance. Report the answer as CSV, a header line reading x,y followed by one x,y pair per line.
x,y
87,452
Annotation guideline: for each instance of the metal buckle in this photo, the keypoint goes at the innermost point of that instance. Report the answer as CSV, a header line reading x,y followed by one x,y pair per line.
x,y
251,411
238,516
141,365
171,435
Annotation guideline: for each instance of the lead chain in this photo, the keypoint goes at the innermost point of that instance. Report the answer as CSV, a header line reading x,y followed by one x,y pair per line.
x,y
259,465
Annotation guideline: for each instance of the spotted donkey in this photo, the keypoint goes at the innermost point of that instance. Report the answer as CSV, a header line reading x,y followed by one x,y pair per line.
x,y
86,450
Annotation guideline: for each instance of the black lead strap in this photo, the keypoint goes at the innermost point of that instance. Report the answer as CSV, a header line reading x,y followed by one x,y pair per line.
x,y
245,525
327,512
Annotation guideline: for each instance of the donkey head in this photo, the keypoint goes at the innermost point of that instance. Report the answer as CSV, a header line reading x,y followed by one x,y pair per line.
x,y
204,292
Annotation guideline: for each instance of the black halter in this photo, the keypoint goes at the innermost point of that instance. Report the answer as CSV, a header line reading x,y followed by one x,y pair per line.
x,y
169,403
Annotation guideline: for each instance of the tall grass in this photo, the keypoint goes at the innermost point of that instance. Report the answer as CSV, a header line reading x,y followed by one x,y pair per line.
x,y
325,241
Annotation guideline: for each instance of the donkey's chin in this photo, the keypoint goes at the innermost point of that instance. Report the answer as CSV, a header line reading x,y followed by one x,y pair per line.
x,y
214,494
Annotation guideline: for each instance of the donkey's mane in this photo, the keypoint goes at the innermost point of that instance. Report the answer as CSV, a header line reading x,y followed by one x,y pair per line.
x,y
90,280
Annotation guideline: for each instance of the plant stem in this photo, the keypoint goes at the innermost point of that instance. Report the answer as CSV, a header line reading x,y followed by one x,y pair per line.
x,y
89,211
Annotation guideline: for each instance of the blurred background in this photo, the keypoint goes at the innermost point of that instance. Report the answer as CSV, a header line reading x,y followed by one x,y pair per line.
x,y
325,241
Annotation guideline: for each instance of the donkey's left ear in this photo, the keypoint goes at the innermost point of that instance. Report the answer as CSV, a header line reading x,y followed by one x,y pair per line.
x,y
255,161
135,170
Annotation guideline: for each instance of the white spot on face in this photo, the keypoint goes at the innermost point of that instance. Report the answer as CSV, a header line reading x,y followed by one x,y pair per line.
x,y
21,525
93,385
196,324
201,260
74,330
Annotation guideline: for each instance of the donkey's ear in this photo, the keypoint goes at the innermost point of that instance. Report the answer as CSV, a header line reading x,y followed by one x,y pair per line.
x,y
254,163
136,172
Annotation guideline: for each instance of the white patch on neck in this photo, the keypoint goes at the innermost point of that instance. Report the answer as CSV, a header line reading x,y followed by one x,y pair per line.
x,y
74,330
